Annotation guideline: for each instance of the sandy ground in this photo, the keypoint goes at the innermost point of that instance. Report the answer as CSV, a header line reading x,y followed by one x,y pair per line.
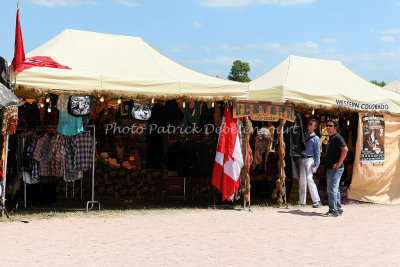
x,y
366,235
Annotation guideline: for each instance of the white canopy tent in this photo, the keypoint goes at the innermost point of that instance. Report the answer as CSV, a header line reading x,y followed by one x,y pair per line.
x,y
321,83
328,84
106,64
394,86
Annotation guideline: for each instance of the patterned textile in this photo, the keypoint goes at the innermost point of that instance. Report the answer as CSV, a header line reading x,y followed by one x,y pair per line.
x,y
40,146
45,168
71,176
58,155
46,151
83,145
35,167
9,114
70,154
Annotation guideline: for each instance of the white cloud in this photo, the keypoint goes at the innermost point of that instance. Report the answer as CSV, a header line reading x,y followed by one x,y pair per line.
x,y
308,47
377,67
254,62
397,4
177,48
386,55
387,32
63,3
241,3
126,3
223,60
330,40
197,24
330,50
387,39
224,47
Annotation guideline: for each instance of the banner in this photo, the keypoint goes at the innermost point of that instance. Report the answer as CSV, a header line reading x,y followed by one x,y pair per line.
x,y
373,142
263,111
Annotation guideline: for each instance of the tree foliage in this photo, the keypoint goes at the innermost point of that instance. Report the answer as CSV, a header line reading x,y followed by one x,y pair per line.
x,y
239,72
381,84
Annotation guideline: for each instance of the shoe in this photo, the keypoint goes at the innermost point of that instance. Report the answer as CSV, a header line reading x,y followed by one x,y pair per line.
x,y
340,213
331,214
301,204
317,204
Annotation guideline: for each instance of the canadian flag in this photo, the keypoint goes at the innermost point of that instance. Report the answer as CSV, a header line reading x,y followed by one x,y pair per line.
x,y
229,158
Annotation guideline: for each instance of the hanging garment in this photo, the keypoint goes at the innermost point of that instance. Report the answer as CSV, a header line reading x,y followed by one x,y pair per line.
x,y
192,114
69,125
34,164
4,72
83,146
9,116
293,136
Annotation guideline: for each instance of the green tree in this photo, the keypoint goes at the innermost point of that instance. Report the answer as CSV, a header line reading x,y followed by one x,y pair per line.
x,y
381,84
239,72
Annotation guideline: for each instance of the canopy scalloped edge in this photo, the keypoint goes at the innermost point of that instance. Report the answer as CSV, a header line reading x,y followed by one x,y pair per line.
x,y
24,91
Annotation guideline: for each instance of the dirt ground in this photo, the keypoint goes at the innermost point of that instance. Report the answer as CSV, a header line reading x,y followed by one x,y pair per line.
x,y
366,235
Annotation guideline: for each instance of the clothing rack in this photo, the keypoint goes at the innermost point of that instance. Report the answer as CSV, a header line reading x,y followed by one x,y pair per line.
x,y
92,201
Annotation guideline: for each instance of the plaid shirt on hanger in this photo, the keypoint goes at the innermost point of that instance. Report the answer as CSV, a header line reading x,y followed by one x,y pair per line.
x,y
30,152
83,144
70,153
40,146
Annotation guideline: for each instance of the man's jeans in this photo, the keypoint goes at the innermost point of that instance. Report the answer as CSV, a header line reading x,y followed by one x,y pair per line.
x,y
333,179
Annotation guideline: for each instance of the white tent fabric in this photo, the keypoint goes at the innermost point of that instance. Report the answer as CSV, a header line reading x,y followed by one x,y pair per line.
x,y
321,83
394,86
121,66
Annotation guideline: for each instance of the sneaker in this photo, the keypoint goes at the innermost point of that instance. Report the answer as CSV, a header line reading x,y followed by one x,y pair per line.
x,y
331,214
317,204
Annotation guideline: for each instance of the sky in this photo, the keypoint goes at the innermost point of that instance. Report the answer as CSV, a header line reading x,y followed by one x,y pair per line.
x,y
208,35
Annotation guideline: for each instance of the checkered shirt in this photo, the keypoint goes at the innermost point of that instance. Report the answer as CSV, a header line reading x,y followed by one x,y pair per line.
x,y
40,146
30,152
45,168
83,144
70,153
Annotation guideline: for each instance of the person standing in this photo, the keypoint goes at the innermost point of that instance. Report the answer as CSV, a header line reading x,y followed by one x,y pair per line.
x,y
310,158
335,155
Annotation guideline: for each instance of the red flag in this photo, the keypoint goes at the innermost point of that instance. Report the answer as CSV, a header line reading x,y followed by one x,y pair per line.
x,y
19,53
40,62
229,158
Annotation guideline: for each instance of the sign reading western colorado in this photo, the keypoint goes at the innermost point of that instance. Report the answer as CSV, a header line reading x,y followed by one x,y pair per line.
x,y
263,111
362,106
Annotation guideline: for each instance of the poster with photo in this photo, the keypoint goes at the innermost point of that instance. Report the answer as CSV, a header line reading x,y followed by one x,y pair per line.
x,y
373,139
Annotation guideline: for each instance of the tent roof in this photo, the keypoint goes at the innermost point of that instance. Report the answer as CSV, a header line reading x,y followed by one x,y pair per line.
x,y
394,86
106,64
321,83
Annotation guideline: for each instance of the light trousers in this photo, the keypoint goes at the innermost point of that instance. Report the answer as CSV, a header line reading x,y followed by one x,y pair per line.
x,y
306,177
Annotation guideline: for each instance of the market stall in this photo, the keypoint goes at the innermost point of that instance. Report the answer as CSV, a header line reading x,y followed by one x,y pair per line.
x,y
146,109
327,89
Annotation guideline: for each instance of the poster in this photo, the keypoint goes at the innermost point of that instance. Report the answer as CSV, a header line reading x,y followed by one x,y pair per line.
x,y
263,111
373,142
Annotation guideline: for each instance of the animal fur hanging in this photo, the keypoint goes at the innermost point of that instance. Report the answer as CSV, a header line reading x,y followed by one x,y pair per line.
x,y
248,161
262,145
280,189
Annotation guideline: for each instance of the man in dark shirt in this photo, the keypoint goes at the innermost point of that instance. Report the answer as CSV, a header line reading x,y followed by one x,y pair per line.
x,y
335,155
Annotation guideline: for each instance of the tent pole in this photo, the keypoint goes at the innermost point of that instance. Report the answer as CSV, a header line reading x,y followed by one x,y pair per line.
x,y
92,201
4,182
